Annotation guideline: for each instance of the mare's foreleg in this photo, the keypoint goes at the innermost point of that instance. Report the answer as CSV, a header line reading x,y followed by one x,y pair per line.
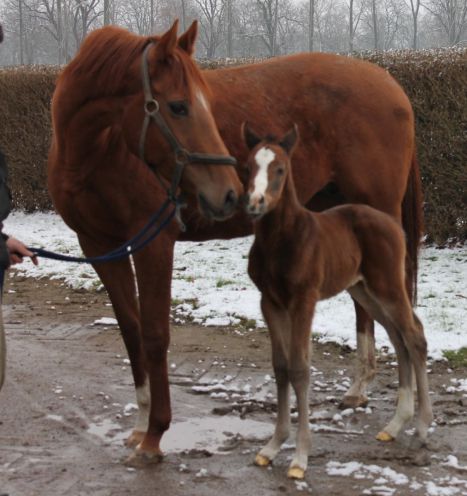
x,y
118,280
153,267
278,322
301,313
365,366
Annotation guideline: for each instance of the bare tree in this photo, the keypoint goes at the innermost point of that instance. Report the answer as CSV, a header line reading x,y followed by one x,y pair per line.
x,y
311,23
212,13
229,22
451,15
84,15
21,32
106,12
269,12
374,20
415,9
355,14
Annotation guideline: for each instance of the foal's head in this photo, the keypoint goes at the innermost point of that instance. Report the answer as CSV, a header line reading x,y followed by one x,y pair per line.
x,y
269,167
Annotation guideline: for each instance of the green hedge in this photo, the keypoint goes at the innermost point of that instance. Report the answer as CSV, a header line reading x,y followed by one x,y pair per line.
x,y
435,81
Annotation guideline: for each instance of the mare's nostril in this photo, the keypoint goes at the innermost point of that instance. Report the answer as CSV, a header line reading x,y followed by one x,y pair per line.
x,y
230,200
261,200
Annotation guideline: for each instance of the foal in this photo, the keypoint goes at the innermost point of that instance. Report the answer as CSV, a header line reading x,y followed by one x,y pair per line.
x,y
300,257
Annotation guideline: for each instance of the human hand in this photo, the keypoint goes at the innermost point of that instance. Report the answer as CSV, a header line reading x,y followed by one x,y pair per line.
x,y
17,250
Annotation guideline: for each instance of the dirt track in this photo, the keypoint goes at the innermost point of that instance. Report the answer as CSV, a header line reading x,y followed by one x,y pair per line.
x,y
66,408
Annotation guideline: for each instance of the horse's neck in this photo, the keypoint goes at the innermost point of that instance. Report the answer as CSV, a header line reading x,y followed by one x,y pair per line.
x,y
281,222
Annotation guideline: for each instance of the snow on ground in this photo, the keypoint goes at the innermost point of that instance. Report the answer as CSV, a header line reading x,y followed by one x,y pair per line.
x,y
211,285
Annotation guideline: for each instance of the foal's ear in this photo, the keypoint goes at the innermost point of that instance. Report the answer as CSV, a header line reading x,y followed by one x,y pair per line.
x,y
167,43
289,141
249,136
187,41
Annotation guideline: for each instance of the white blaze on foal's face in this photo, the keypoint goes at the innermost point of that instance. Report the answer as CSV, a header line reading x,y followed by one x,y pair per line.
x,y
263,158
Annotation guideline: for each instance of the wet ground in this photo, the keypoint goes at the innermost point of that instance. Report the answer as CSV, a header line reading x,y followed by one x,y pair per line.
x,y
68,404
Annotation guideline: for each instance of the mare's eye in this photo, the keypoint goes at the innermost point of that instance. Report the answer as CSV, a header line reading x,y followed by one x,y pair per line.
x,y
280,171
179,109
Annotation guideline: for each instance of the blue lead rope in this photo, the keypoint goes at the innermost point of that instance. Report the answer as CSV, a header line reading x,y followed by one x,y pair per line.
x,y
143,238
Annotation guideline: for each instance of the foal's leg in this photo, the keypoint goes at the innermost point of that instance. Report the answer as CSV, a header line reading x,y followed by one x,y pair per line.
x,y
410,332
365,366
278,322
118,280
301,313
405,403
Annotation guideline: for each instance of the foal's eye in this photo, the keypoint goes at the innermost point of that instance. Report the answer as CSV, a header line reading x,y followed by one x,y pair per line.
x,y
280,171
180,109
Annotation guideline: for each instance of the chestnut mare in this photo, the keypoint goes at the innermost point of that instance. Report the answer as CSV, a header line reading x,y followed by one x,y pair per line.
x,y
358,144
300,257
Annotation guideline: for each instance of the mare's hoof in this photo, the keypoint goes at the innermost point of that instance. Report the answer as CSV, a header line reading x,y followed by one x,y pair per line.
x,y
262,461
353,402
141,459
296,473
384,437
136,437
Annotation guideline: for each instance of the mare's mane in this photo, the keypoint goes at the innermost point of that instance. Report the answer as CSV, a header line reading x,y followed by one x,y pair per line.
x,y
104,58
107,53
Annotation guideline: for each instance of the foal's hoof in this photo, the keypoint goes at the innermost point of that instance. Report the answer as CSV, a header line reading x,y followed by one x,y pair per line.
x,y
296,473
353,402
141,459
262,461
135,438
384,436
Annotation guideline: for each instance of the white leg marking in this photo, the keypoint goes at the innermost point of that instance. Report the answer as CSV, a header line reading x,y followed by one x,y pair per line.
x,y
404,411
143,398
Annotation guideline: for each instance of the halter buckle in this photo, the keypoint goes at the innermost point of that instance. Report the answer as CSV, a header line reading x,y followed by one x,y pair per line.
x,y
182,157
151,107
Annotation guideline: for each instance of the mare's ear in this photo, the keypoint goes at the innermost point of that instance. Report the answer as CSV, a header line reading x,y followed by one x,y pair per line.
x,y
167,43
289,141
187,41
249,136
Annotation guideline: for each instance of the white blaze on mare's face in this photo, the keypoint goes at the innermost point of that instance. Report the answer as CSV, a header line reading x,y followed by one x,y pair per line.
x,y
202,98
263,157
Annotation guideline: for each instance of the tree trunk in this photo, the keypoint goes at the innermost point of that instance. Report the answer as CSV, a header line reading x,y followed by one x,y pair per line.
x,y
375,23
59,32
21,33
351,29
229,29
106,12
183,15
311,25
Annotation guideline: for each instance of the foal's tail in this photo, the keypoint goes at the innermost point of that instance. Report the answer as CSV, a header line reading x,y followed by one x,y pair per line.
x,y
412,222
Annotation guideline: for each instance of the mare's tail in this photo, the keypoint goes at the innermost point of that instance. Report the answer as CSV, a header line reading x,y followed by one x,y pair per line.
x,y
412,222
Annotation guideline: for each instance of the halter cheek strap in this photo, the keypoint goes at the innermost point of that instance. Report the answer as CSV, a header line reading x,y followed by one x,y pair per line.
x,y
182,156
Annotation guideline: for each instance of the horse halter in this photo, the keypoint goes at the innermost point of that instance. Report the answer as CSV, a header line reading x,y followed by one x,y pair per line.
x,y
182,156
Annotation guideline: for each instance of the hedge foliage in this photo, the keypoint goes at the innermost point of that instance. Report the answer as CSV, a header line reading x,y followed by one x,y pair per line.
x,y
435,81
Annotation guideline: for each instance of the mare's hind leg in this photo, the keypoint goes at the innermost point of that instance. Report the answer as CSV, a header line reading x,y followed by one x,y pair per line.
x,y
365,366
118,280
278,323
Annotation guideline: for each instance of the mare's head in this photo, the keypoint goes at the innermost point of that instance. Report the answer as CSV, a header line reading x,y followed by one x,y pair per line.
x,y
269,167
167,119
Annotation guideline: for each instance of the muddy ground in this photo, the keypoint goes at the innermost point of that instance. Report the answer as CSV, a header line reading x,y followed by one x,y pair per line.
x,y
68,401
